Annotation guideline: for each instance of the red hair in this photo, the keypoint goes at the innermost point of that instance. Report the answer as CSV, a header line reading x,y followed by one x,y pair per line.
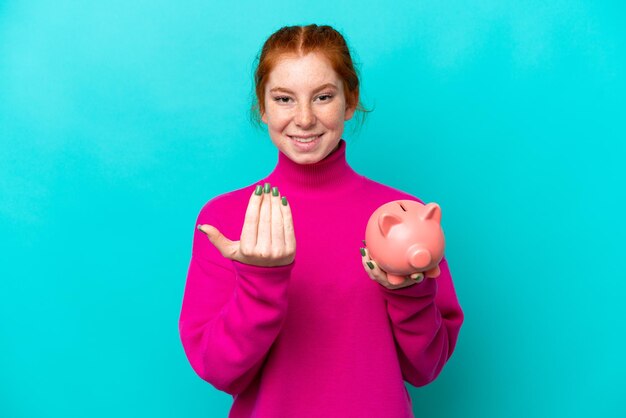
x,y
301,40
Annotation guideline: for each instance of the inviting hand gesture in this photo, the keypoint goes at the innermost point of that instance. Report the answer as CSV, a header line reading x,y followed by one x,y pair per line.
x,y
267,237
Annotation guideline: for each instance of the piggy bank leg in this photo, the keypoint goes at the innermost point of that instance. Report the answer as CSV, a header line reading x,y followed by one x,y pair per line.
x,y
433,273
393,279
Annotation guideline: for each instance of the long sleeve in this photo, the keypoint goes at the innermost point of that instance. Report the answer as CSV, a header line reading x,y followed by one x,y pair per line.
x,y
426,319
231,314
315,338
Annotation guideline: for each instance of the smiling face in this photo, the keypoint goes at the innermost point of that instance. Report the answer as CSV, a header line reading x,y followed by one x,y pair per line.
x,y
305,107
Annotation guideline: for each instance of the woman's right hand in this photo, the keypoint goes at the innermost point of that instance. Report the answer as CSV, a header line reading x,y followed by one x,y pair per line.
x,y
267,237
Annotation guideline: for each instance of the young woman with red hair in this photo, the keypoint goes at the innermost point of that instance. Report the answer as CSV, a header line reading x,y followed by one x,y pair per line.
x,y
312,330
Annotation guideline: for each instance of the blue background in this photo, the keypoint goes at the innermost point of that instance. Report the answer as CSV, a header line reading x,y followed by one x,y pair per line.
x,y
119,120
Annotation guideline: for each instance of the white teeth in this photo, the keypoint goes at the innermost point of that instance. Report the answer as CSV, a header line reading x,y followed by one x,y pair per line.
x,y
304,140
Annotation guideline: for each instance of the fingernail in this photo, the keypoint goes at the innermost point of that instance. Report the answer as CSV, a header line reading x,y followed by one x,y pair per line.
x,y
199,227
364,242
266,189
274,191
362,252
370,265
258,190
284,200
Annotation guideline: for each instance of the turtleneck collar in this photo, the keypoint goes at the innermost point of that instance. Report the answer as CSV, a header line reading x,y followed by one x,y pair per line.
x,y
330,175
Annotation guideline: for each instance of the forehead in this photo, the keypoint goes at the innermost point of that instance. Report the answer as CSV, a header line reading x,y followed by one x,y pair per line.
x,y
308,71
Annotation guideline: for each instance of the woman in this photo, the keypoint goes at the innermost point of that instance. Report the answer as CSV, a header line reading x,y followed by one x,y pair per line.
x,y
300,331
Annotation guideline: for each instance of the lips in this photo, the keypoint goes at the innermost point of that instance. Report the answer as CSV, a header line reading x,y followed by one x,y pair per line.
x,y
305,139
304,136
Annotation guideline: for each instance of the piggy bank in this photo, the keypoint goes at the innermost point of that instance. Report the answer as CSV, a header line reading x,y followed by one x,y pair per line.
x,y
405,238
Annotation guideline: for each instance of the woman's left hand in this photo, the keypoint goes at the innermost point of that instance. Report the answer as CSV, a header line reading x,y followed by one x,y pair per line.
x,y
376,274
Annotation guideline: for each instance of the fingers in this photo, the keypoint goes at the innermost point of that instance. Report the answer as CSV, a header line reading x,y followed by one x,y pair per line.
x,y
372,269
377,274
251,221
278,233
267,236
418,277
288,229
264,238
223,244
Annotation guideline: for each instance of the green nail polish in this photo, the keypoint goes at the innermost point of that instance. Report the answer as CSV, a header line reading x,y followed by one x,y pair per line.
x,y
266,189
364,242
199,227
274,191
258,190
370,265
284,200
362,252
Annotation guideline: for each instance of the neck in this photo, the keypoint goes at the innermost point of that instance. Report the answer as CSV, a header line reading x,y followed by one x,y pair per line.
x,y
330,175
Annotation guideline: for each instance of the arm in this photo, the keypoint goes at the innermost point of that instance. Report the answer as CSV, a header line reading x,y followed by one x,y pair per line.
x,y
426,319
231,314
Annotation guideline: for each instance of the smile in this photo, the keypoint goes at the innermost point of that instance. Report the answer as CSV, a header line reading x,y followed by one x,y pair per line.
x,y
304,139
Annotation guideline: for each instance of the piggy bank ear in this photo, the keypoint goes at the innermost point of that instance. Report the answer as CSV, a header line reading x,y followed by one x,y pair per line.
x,y
432,211
386,221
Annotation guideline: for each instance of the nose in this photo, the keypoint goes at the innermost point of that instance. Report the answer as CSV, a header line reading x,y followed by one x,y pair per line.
x,y
305,117
420,258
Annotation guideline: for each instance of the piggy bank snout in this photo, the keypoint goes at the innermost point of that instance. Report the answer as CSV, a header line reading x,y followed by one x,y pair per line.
x,y
420,258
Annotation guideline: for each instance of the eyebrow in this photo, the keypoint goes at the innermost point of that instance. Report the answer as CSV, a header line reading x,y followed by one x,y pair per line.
x,y
322,87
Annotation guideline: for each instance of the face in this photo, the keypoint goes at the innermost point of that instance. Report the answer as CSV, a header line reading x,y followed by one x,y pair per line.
x,y
305,107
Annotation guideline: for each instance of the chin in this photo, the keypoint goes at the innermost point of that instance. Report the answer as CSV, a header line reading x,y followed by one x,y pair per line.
x,y
303,156
305,159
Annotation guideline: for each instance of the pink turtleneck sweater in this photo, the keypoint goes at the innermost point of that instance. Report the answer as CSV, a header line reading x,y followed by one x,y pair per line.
x,y
317,337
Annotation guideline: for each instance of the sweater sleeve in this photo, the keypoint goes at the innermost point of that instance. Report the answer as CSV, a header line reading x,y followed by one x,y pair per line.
x,y
231,314
426,319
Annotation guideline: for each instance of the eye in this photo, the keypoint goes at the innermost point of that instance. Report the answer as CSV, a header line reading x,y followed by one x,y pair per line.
x,y
282,99
325,97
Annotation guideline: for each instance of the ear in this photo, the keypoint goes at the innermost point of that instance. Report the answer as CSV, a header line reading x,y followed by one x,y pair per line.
x,y
350,110
386,221
349,113
432,211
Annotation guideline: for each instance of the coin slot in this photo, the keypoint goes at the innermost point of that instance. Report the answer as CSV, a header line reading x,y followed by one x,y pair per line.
x,y
402,206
